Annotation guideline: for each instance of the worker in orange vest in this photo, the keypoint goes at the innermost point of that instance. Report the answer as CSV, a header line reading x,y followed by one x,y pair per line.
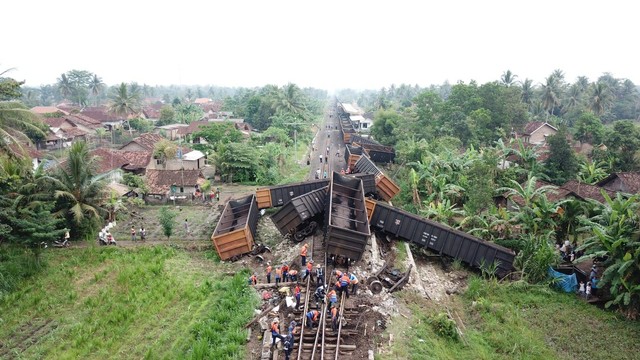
x,y
275,332
293,275
334,318
303,254
296,293
312,318
268,273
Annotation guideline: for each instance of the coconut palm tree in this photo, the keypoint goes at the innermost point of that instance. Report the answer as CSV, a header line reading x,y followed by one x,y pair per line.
x,y
550,94
65,86
125,102
78,191
96,86
601,98
16,121
508,78
289,99
527,91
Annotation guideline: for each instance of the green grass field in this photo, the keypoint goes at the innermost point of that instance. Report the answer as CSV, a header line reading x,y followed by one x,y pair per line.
x,y
157,302
514,321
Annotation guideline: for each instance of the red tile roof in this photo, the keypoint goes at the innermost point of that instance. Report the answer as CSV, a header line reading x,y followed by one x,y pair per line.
x,y
136,159
54,122
23,150
193,127
84,120
146,140
160,181
73,132
108,160
152,111
586,191
630,182
101,114
47,110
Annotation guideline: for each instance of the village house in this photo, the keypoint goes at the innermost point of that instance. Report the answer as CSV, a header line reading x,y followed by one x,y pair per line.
x,y
107,119
624,182
170,131
189,160
537,132
163,184
144,142
48,110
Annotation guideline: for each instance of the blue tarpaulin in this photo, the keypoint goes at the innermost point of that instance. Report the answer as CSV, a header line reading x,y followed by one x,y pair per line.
x,y
568,283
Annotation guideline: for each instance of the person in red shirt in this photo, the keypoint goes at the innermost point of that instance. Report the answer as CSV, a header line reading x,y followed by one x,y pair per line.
x,y
285,273
296,293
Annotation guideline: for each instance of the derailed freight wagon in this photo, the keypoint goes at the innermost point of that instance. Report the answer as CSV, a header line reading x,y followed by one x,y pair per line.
x,y
351,155
378,153
347,227
236,229
387,189
275,196
439,238
302,215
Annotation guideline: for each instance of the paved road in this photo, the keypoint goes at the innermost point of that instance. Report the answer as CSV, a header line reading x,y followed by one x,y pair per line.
x,y
327,137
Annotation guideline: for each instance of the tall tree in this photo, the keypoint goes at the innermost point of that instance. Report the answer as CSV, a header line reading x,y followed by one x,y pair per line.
x,y
562,163
124,103
78,191
601,98
96,86
508,78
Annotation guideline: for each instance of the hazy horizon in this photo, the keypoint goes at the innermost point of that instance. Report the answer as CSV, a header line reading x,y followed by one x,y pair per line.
x,y
329,45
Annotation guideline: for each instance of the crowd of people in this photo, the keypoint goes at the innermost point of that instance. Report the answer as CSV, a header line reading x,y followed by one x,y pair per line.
x,y
327,293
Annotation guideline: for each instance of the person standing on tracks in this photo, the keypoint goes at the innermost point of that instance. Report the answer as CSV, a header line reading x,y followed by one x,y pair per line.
x,y
285,273
319,275
275,332
303,254
278,275
334,318
312,318
333,297
354,282
320,158
133,233
344,284
269,273
293,275
296,293
287,344
309,271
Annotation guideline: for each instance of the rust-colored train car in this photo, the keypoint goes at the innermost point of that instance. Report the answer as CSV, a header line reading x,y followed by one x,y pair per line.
x,y
347,227
236,229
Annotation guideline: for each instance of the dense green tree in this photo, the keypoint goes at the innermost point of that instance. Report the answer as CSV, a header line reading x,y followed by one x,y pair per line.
x,y
589,129
623,142
600,99
562,164
508,78
385,123
164,150
9,88
237,162
188,113
219,133
34,225
167,115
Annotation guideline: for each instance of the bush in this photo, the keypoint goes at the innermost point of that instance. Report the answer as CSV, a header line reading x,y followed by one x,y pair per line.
x,y
444,327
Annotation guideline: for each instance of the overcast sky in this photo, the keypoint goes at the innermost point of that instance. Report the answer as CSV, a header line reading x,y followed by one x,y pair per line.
x,y
325,44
